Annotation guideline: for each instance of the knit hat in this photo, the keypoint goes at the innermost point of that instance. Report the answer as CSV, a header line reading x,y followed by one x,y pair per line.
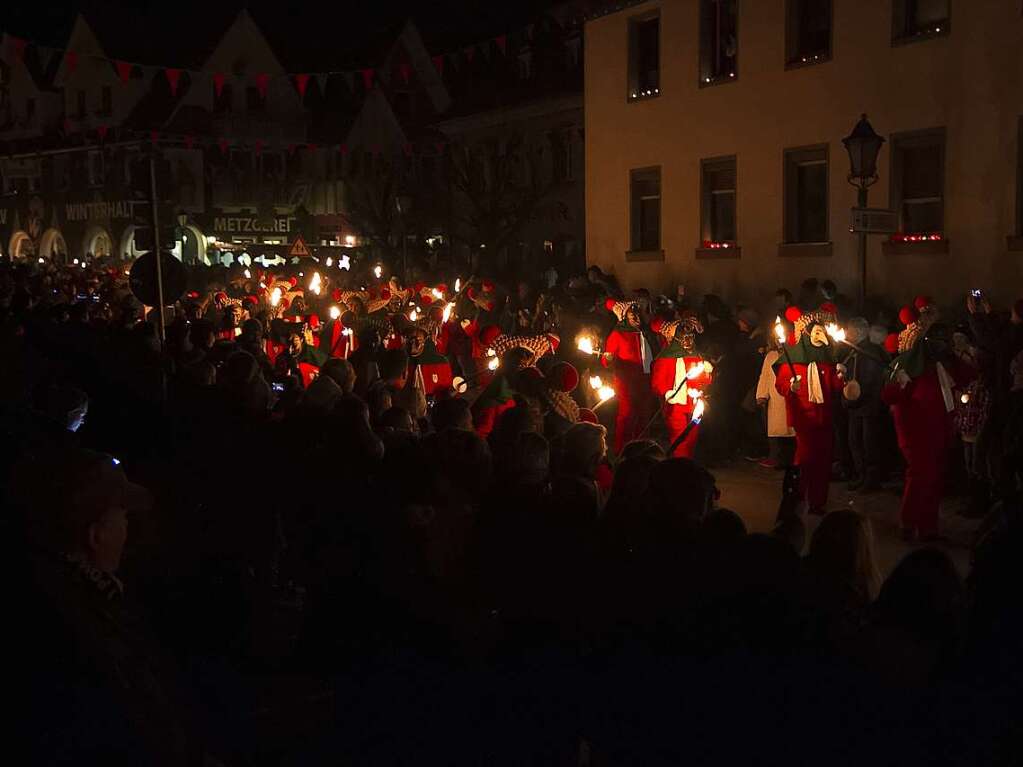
x,y
803,321
891,343
922,315
539,345
685,330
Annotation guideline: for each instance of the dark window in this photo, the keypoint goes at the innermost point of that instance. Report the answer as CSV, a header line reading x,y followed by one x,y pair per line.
x,y
81,104
719,40
224,102
718,200
645,194
808,31
106,101
253,99
644,57
918,181
806,194
920,18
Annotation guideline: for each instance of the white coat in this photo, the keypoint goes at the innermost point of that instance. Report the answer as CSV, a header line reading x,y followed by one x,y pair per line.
x,y
777,418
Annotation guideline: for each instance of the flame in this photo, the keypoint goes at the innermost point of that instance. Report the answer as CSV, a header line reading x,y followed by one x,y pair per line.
x,y
275,297
695,394
413,315
596,383
344,263
314,283
836,332
494,364
696,370
335,312
965,399
491,353
779,330
330,261
447,312
248,274
585,345
605,393
701,406
458,284
437,294
346,332
378,271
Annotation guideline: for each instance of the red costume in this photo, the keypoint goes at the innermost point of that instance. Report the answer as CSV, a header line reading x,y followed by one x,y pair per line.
x,y
630,355
809,406
678,374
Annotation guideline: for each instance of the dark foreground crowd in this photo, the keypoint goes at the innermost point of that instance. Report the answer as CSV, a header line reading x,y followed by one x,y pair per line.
x,y
318,575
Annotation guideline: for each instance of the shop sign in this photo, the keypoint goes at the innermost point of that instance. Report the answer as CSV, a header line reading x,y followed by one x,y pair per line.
x,y
101,211
253,225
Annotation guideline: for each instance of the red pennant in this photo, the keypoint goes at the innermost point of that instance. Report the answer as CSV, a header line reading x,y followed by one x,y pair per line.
x,y
19,47
259,146
311,147
470,52
262,83
291,149
223,144
407,148
343,149
71,62
123,71
172,75
218,83
438,63
367,78
154,136
502,43
189,141
301,81
101,131
406,71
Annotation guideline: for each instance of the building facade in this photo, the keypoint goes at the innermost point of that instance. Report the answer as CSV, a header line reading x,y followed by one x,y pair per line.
x,y
714,147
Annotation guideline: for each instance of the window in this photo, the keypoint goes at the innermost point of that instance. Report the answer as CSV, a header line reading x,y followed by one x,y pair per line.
x,y
718,200
644,57
807,31
106,101
918,181
915,19
645,194
806,194
80,105
719,41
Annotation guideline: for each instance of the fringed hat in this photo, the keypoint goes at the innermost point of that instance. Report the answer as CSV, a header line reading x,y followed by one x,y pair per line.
x,y
375,301
620,308
803,321
689,327
918,319
539,345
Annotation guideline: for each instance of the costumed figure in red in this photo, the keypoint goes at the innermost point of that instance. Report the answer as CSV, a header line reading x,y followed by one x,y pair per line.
x,y
922,398
809,379
629,352
679,378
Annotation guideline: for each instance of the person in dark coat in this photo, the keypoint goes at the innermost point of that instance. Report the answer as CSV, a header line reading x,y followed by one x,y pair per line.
x,y
862,401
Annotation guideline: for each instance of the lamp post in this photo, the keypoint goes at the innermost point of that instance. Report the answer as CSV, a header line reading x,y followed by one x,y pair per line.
x,y
863,146
403,203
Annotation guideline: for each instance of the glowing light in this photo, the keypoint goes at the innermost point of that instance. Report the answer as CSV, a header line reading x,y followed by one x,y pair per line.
x,y
491,353
314,283
596,383
335,312
836,332
779,330
248,274
459,385
694,394
378,271
75,262
275,297
330,261
447,312
350,240
413,315
605,393
494,364
965,399
701,406
42,260
696,371
437,294
344,263
458,285
585,345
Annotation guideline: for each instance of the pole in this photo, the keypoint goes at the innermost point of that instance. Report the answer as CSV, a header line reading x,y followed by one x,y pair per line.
x,y
156,248
861,201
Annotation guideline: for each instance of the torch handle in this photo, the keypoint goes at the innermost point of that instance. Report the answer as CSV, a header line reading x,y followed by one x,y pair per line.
x,y
693,423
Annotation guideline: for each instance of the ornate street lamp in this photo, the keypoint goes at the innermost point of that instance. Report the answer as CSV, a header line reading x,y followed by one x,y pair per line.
x,y
863,146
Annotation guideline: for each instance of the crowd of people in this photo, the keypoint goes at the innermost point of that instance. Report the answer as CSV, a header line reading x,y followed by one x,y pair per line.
x,y
320,516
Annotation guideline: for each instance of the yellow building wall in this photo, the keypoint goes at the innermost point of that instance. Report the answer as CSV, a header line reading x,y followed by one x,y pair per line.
x,y
967,82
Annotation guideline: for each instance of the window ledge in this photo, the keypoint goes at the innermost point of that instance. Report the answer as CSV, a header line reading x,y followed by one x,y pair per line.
x,y
644,255
805,250
1014,242
732,252
642,97
801,62
923,248
710,82
921,36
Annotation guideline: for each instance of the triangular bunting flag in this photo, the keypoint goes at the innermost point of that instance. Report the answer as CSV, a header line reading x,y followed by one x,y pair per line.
x,y
101,131
438,63
406,71
123,70
367,78
262,83
173,76
189,141
501,41
223,144
301,82
218,83
71,62
154,136
311,147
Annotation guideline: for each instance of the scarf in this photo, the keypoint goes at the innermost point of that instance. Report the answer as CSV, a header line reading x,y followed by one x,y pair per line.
x,y
814,390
